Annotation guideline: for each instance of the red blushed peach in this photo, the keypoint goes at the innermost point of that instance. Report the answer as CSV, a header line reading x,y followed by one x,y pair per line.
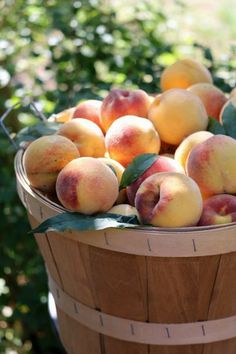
x,y
233,93
87,185
169,199
211,96
130,136
218,209
91,110
162,164
176,114
212,165
120,103
45,157
86,135
183,150
119,170
184,73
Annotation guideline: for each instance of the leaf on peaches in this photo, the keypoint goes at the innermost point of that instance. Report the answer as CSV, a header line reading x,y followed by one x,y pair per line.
x,y
79,222
215,127
229,120
136,168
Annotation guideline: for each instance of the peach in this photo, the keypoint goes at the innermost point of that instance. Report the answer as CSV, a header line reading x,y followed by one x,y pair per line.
x,y
211,96
87,185
233,93
63,117
45,157
162,164
120,103
176,114
169,199
124,209
86,135
212,165
183,150
184,73
119,170
91,110
218,209
130,136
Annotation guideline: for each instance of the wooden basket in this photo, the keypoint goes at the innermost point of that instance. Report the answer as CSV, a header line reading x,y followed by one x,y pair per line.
x,y
142,291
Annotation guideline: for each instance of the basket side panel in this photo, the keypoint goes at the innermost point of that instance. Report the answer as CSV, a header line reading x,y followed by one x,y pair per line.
x,y
120,283
76,338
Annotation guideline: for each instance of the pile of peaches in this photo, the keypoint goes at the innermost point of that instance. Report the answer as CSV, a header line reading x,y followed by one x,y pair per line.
x,y
193,178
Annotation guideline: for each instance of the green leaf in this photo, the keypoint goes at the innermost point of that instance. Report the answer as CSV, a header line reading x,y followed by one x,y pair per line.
x,y
229,120
215,127
36,131
80,222
136,168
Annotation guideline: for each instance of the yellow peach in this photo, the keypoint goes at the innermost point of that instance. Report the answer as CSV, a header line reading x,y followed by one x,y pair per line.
x,y
91,110
184,73
176,114
45,157
86,135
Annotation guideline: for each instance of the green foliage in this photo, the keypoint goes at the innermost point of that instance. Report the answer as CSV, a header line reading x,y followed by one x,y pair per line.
x,y
60,52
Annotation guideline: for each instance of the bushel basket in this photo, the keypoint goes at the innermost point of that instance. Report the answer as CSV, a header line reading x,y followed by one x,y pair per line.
x,y
138,291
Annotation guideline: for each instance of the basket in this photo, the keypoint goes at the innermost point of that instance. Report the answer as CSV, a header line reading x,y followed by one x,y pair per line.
x,y
142,291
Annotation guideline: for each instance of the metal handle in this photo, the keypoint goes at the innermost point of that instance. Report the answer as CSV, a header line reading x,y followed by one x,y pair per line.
x,y
31,105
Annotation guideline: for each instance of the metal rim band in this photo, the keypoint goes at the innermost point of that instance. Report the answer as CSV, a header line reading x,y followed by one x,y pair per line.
x,y
143,332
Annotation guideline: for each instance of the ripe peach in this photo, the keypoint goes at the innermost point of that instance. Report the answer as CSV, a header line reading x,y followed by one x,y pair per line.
x,y
87,185
211,96
86,135
162,164
176,114
212,165
169,199
183,150
119,170
91,110
45,157
130,136
183,74
120,103
124,209
64,116
218,209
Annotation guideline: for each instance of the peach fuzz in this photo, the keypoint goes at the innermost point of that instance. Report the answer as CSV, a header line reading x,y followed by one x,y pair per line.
x,y
184,73
119,170
45,157
162,164
124,209
212,165
211,96
218,209
86,135
130,136
183,150
169,199
176,114
120,103
87,185
91,110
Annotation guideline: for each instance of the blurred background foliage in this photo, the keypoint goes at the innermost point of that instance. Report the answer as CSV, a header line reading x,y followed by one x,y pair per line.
x,y
60,52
